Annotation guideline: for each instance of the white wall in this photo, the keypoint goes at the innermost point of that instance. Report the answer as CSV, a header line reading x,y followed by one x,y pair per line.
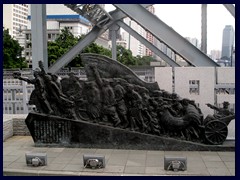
x,y
207,76
163,76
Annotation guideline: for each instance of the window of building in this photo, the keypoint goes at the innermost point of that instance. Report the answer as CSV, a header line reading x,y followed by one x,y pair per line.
x,y
194,87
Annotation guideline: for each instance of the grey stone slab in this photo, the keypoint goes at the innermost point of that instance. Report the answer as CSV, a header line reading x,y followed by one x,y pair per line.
x,y
52,154
230,164
137,152
88,151
215,164
219,172
6,164
114,169
134,169
54,167
120,156
211,158
168,153
76,160
196,164
10,158
231,153
66,155
136,162
71,150
117,161
120,151
21,159
57,173
155,170
228,158
209,153
61,160
55,150
73,167
137,156
104,151
21,165
158,153
200,171
232,171
150,162
19,172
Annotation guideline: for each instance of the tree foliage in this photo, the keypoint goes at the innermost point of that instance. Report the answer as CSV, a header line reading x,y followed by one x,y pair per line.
x,y
66,40
12,52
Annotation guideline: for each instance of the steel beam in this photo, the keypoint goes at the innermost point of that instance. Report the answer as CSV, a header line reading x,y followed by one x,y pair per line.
x,y
204,29
90,37
148,44
39,35
166,34
73,52
230,8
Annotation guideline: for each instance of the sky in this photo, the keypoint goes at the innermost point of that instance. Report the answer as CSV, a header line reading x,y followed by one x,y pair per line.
x,y
186,20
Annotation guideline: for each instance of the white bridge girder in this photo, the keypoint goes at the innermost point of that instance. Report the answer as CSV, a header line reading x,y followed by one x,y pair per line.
x,y
101,20
166,34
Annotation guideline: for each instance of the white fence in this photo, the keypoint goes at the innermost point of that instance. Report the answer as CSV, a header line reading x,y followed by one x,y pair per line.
x,y
16,93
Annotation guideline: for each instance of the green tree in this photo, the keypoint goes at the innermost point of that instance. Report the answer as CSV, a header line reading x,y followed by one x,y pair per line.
x,y
61,45
12,52
125,56
144,61
65,41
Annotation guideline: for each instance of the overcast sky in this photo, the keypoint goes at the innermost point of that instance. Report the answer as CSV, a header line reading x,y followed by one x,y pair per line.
x,y
186,20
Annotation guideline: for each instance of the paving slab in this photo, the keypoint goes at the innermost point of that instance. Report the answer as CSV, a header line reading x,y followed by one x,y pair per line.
x,y
119,162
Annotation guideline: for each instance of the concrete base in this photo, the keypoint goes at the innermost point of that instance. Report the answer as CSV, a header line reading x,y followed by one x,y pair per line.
x,y
61,132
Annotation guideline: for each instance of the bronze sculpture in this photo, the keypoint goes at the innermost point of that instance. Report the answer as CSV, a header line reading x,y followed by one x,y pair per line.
x,y
116,98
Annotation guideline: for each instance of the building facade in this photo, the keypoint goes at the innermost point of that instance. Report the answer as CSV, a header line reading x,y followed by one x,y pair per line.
x,y
15,17
58,17
227,42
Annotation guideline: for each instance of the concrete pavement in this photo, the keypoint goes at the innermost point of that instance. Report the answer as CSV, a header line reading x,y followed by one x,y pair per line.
x,y
69,161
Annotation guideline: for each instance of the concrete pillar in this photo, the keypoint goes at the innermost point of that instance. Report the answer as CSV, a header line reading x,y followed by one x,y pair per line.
x,y
113,29
39,35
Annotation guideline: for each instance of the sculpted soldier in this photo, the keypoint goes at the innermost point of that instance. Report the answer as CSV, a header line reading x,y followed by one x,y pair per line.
x,y
39,94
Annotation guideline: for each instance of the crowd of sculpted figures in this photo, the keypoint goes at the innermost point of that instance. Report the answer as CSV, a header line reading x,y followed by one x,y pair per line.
x,y
118,103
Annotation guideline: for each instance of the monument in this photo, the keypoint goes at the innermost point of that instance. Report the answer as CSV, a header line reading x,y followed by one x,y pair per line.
x,y
114,108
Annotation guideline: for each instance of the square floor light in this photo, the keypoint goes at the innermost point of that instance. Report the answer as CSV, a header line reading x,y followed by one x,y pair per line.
x,y
36,159
93,161
175,163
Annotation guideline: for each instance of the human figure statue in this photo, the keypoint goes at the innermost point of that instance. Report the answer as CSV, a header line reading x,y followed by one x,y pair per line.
x,y
134,101
92,94
64,105
120,105
107,98
39,94
221,112
74,88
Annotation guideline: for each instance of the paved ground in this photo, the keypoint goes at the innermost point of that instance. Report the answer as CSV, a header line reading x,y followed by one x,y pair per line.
x,y
69,161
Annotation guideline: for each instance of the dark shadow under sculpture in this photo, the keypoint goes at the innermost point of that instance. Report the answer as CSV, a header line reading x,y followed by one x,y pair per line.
x,y
113,108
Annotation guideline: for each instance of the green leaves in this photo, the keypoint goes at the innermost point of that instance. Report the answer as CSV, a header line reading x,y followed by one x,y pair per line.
x,y
12,52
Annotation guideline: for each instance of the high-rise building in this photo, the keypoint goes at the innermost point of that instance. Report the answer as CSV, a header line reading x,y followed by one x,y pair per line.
x,y
137,48
215,54
58,17
15,17
227,42
149,36
194,42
